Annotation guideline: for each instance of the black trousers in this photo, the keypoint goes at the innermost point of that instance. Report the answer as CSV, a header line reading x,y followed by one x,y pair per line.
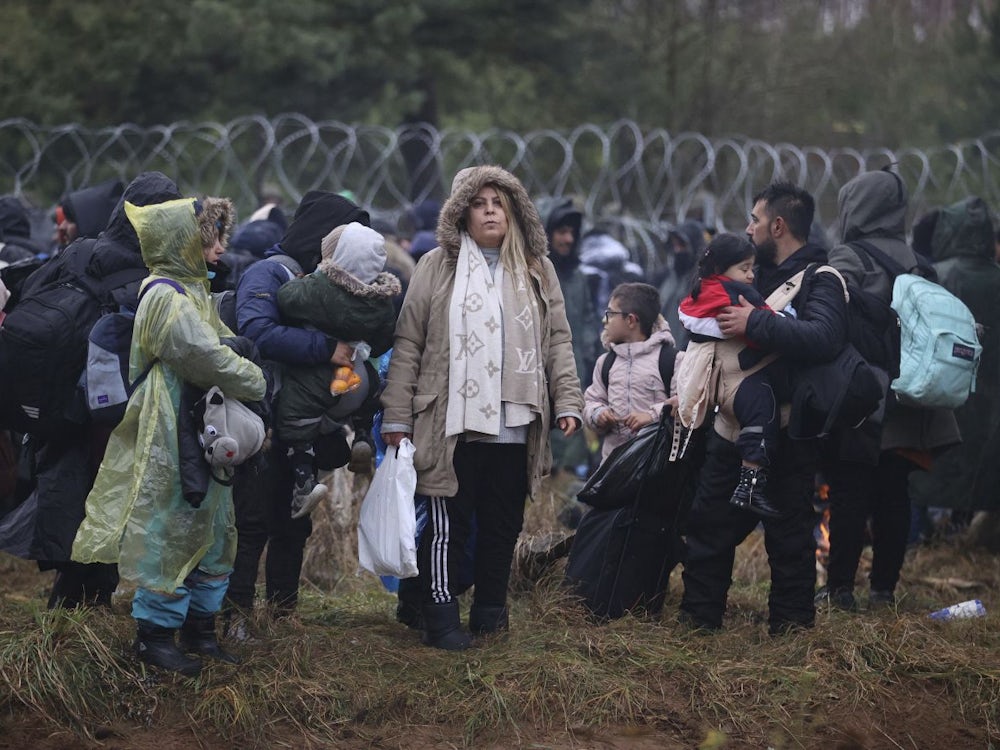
x,y
858,491
492,489
756,408
78,584
262,497
715,528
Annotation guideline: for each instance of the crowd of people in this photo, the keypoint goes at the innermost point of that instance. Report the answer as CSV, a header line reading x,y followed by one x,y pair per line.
x,y
521,342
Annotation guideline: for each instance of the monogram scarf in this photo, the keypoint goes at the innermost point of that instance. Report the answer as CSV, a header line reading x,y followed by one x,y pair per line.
x,y
495,331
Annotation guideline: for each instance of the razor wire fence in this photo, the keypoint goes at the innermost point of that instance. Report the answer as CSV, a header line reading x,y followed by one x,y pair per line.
x,y
640,181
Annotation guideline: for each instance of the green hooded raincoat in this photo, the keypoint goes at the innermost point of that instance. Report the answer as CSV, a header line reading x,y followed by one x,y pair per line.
x,y
136,515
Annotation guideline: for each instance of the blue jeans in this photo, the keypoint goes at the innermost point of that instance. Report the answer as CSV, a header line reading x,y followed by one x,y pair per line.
x,y
200,595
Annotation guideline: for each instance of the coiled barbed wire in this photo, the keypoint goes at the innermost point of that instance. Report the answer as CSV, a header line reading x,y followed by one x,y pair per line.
x,y
643,181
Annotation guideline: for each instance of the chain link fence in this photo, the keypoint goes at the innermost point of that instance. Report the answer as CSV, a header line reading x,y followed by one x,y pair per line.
x,y
642,181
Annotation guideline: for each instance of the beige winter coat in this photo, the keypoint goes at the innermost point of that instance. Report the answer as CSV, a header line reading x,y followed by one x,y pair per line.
x,y
416,393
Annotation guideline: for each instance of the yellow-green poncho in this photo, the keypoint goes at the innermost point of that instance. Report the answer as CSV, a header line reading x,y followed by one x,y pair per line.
x,y
136,515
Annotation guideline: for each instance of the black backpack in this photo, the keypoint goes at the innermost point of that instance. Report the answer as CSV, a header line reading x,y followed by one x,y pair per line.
x,y
872,325
43,345
668,355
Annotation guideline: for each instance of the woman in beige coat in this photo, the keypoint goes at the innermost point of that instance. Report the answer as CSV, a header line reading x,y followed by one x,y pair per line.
x,y
482,361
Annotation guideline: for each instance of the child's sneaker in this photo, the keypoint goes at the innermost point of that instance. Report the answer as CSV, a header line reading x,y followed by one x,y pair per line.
x,y
749,493
307,492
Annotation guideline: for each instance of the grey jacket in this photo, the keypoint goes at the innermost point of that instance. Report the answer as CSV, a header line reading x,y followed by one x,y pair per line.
x,y
872,207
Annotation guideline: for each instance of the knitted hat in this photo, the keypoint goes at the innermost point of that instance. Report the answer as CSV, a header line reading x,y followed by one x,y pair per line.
x,y
356,249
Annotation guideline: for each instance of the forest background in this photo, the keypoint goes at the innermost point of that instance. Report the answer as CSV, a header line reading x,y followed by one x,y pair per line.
x,y
857,73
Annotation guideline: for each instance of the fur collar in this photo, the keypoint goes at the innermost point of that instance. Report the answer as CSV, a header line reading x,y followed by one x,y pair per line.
x,y
384,285
452,219
216,210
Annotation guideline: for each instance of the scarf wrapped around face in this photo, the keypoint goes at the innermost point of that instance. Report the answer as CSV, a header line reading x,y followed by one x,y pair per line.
x,y
495,347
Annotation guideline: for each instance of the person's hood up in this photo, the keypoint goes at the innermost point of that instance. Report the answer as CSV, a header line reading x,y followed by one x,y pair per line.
x,y
563,214
470,181
147,189
14,221
170,240
91,208
963,229
601,250
215,214
318,213
692,233
873,204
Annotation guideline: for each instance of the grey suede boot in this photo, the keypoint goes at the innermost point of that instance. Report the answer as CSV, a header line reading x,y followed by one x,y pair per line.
x,y
485,619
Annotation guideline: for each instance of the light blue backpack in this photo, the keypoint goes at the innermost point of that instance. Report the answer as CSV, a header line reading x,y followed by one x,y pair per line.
x,y
939,347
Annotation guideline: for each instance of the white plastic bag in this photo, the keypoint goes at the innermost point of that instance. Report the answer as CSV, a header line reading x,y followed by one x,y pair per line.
x,y
387,527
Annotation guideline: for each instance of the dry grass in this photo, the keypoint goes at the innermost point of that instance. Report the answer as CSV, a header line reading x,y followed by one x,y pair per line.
x,y
343,673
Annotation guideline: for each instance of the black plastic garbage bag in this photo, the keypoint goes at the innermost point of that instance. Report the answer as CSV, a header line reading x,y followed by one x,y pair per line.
x,y
617,481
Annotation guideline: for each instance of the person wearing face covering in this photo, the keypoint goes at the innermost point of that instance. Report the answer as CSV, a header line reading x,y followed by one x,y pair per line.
x,y
263,500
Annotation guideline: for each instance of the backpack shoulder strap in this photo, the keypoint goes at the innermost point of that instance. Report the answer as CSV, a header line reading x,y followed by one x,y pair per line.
x,y
668,355
609,360
892,266
176,285
291,265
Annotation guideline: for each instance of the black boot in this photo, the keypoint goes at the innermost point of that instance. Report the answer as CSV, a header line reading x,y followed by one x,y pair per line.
x,y
749,493
484,619
443,627
155,646
198,637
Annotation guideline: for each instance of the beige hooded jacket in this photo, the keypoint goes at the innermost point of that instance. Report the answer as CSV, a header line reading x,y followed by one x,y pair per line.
x,y
416,393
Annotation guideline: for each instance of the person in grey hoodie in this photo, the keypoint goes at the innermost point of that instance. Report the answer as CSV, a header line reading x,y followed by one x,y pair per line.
x,y
872,207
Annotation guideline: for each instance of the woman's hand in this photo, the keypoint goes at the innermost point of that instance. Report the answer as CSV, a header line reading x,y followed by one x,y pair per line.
x,y
568,425
394,438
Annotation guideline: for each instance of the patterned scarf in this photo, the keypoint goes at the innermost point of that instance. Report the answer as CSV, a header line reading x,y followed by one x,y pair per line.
x,y
495,347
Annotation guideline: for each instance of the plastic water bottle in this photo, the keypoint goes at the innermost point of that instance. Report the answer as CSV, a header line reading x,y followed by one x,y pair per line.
x,y
961,611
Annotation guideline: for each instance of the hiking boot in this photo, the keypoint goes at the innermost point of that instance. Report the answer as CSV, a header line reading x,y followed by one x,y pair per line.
x,y
443,627
361,452
484,619
749,493
307,492
198,637
881,600
836,598
154,645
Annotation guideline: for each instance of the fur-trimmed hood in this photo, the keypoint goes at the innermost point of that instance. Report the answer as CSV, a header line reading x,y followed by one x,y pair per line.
x,y
216,212
384,285
467,183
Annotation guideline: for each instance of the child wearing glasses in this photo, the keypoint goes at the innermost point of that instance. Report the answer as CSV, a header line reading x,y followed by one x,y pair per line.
x,y
725,273
631,394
